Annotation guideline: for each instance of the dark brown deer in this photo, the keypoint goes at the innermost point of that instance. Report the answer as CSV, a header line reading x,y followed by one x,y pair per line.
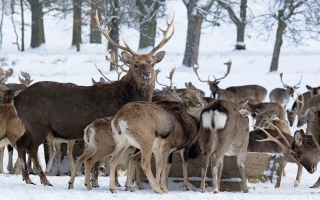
x,y
254,92
282,96
65,110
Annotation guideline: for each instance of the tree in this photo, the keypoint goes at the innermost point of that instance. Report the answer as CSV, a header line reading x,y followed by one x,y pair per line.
x,y
37,28
95,35
197,11
296,20
22,25
240,21
76,31
148,21
1,21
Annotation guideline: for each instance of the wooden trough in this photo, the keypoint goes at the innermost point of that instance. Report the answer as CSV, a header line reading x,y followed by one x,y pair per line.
x,y
259,167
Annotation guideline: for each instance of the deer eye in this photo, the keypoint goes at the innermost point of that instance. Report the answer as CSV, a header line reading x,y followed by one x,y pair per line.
x,y
186,97
298,157
136,66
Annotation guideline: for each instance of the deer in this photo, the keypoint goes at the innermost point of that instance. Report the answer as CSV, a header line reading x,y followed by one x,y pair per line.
x,y
314,101
99,144
273,125
283,95
161,129
223,132
234,94
306,151
298,108
266,119
65,110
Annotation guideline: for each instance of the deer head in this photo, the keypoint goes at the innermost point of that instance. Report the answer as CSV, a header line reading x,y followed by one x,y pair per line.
x,y
305,151
313,90
214,84
290,89
141,66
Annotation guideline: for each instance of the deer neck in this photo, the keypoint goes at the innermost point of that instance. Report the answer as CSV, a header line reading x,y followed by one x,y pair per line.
x,y
137,91
191,127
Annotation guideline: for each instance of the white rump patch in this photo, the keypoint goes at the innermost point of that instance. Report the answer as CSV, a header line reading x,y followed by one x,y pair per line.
x,y
4,142
219,119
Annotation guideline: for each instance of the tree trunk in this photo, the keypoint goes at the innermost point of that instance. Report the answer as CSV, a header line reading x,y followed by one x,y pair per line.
x,y
148,23
277,46
37,28
114,33
241,26
193,36
1,22
22,25
95,35
76,33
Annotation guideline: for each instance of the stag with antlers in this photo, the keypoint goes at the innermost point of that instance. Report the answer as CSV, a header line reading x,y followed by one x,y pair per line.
x,y
283,95
234,94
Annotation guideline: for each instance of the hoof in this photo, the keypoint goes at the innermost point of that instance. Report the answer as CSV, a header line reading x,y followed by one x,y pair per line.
x,y
245,191
159,191
70,186
132,189
296,183
215,191
95,186
113,191
188,186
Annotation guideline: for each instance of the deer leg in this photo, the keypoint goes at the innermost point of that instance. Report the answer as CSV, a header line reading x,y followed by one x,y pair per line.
x,y
23,164
214,171
317,184
30,168
10,161
33,153
87,152
95,173
299,174
138,175
145,165
205,162
132,170
157,159
164,162
70,156
169,164
58,147
220,168
184,159
117,153
1,160
240,161
52,150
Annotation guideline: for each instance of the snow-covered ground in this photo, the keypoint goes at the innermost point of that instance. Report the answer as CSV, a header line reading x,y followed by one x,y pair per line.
x,y
57,62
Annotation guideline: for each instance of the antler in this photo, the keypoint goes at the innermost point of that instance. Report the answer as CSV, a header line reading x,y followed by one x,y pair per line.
x,y
5,74
170,78
284,148
285,85
27,79
195,69
228,70
295,86
115,65
106,34
100,71
165,36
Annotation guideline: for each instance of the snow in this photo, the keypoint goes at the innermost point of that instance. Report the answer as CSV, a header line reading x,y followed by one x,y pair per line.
x,y
56,61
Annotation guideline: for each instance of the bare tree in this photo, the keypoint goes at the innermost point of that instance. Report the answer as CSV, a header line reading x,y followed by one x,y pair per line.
x,y
37,28
240,21
76,33
197,10
148,21
95,35
22,25
1,20
296,20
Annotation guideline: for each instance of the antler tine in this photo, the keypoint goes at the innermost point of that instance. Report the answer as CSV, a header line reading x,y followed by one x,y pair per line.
x,y
229,63
100,71
171,75
157,71
106,34
271,138
195,69
282,136
115,65
5,74
165,36
27,79
281,74
298,83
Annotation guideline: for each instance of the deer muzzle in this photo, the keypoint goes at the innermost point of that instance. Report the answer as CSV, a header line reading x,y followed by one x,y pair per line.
x,y
146,74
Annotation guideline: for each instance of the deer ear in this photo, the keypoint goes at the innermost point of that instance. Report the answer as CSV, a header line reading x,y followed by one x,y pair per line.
x,y
257,111
159,56
274,117
298,138
102,80
313,108
126,57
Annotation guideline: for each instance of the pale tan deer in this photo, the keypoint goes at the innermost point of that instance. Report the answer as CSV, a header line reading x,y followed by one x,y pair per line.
x,y
158,129
223,132
234,94
282,96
